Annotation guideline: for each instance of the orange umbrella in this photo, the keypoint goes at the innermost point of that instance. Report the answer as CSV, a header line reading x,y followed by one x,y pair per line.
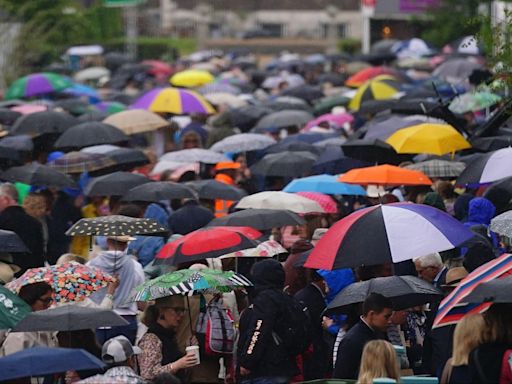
x,y
366,74
385,175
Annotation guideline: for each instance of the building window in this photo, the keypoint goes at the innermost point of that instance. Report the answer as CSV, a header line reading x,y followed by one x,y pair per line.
x,y
273,29
340,28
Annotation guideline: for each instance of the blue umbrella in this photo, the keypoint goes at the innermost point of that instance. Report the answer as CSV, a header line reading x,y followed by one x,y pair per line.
x,y
83,90
41,361
324,184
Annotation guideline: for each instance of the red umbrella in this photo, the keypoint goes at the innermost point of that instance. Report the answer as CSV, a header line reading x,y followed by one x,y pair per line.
x,y
158,68
207,243
366,74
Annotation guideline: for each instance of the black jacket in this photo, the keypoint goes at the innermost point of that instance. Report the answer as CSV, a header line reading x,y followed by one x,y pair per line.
x,y
258,350
350,350
14,218
318,363
189,217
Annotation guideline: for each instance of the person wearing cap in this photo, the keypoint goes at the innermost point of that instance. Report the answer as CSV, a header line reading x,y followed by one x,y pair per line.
x,y
116,261
120,356
7,268
226,173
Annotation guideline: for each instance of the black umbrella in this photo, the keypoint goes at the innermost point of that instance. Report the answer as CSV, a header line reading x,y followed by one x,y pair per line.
x,y
500,194
213,189
287,103
404,291
91,133
8,117
305,92
39,175
245,118
41,123
261,219
92,116
487,144
293,146
495,291
10,242
9,157
128,158
69,318
286,164
283,119
333,161
115,225
114,184
158,191
19,143
373,151
76,107
335,79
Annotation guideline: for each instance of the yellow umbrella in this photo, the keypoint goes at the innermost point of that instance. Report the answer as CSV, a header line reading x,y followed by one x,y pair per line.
x,y
191,78
379,88
437,139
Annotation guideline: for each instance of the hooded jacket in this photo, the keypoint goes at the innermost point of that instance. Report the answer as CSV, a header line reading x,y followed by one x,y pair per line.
x,y
258,350
480,211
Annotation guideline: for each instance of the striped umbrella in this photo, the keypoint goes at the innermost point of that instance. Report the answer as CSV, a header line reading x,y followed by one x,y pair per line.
x,y
325,201
173,100
387,233
453,307
78,162
37,84
189,282
380,88
359,78
110,107
487,168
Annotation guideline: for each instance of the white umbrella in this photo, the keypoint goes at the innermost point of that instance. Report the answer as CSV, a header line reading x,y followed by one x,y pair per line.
x,y
243,142
100,149
195,155
269,248
164,165
92,73
224,98
280,200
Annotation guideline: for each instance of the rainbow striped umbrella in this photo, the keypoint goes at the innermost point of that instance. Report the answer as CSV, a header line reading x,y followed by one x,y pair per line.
x,y
453,307
110,107
37,84
173,100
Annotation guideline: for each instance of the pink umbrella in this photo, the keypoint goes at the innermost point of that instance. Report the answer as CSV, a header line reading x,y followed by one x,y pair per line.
x,y
325,201
336,118
27,109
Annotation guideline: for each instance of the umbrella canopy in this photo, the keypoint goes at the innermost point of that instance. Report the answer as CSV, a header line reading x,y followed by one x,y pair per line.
x,y
173,100
472,102
76,107
305,92
404,291
91,133
226,99
126,159
70,281
21,143
191,78
283,119
293,146
385,175
243,142
10,242
380,88
195,155
136,121
338,119
327,184
114,184
454,306
115,225
326,104
41,361
281,201
437,139
333,161
37,84
372,151
110,107
91,73
366,74
490,167
8,117
12,309
28,109
219,88
456,70
287,164
93,115
9,157
102,149
189,282
439,168
246,118
207,243
78,162
158,191
158,68
213,189
500,194
502,224
325,201
39,175
382,129
493,143
69,318
261,219
269,248
399,231
40,123
495,291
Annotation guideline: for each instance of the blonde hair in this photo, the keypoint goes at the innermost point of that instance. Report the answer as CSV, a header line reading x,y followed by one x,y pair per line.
x,y
35,205
378,360
152,312
68,257
467,336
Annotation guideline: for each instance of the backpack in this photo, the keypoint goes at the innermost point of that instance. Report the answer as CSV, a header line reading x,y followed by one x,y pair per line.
x,y
293,329
215,328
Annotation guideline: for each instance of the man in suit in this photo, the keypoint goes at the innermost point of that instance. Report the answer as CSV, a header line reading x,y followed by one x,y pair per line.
x,y
14,218
316,361
373,324
431,269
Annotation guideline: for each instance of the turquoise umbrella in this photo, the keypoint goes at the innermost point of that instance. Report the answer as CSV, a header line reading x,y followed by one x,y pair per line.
x,y
327,184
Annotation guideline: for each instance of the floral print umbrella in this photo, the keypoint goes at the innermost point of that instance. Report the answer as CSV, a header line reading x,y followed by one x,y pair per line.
x,y
70,281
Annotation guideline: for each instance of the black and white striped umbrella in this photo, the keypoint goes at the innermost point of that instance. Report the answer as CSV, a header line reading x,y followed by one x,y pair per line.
x,y
485,169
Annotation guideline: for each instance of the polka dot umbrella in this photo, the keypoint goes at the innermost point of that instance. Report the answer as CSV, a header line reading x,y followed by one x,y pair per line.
x,y
115,225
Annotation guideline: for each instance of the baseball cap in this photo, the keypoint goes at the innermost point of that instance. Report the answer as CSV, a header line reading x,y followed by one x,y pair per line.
x,y
118,349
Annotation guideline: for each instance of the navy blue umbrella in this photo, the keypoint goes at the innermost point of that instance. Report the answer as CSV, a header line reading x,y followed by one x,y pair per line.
x,y
41,361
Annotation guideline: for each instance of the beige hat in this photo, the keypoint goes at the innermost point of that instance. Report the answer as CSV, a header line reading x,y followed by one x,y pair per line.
x,y
6,258
375,191
319,232
6,273
454,276
121,239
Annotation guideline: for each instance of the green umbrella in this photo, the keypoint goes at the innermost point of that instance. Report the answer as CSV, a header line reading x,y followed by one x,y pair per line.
x,y
476,101
12,309
189,282
326,104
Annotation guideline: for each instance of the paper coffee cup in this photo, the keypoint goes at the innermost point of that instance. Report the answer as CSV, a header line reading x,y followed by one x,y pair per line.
x,y
195,350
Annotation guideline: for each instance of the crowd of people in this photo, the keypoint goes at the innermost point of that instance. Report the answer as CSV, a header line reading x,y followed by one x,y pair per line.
x,y
283,330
